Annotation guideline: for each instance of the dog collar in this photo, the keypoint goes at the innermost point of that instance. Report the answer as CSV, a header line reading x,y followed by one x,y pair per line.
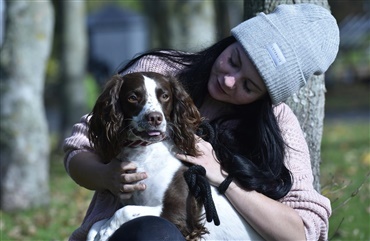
x,y
138,143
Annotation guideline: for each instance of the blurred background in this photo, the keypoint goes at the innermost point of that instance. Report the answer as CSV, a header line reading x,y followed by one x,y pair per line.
x,y
91,39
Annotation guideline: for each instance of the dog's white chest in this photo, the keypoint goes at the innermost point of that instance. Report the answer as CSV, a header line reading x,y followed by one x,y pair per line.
x,y
159,164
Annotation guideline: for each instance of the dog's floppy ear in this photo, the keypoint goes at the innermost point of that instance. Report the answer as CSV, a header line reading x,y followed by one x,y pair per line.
x,y
185,117
106,119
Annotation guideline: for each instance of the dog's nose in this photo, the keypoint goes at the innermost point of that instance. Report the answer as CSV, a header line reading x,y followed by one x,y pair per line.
x,y
155,118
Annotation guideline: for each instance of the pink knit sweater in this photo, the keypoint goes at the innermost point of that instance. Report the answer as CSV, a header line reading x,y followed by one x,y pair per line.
x,y
313,208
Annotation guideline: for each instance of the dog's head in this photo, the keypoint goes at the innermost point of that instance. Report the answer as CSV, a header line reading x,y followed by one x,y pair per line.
x,y
142,107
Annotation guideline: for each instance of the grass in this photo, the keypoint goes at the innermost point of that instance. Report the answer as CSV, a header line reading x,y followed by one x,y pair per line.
x,y
56,221
344,177
345,166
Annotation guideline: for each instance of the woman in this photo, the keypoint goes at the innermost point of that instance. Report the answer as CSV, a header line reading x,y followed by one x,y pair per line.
x,y
238,83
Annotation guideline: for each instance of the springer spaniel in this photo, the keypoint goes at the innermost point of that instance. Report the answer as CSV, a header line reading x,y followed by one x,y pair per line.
x,y
146,118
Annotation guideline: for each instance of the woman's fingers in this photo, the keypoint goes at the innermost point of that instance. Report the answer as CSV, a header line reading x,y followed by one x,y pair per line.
x,y
130,180
132,177
126,188
185,158
127,166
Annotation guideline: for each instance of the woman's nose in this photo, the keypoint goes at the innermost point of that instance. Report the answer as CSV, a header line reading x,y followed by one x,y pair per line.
x,y
230,81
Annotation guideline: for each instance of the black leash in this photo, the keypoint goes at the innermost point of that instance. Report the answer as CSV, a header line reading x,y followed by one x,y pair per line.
x,y
199,186
197,181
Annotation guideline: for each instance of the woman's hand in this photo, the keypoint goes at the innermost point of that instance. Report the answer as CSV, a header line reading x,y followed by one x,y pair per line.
x,y
122,180
119,177
208,160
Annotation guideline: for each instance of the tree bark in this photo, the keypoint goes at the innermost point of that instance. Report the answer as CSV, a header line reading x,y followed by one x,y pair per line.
x,y
309,103
24,156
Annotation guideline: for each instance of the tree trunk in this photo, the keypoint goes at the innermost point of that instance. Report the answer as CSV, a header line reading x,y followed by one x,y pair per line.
x,y
222,19
181,24
24,156
73,55
157,12
309,104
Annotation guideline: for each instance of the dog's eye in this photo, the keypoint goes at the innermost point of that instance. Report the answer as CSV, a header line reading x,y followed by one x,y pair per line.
x,y
165,97
132,99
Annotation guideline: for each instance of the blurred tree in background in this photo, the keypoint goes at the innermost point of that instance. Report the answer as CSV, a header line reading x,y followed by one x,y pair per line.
x,y
172,27
71,50
24,137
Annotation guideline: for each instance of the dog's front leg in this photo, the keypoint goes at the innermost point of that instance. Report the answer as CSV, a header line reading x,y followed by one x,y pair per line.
x,y
124,215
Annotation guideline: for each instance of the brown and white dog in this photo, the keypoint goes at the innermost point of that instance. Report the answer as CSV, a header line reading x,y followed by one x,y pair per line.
x,y
146,118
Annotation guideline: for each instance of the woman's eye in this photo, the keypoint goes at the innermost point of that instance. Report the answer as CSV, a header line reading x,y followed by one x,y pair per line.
x,y
232,63
246,88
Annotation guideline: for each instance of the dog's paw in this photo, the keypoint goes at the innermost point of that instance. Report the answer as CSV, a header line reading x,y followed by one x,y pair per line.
x,y
112,224
130,212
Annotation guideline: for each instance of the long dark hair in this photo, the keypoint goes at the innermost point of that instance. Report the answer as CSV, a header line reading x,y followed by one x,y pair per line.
x,y
252,152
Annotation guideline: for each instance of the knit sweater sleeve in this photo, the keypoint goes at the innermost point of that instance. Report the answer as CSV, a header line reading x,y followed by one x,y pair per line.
x,y
79,141
313,208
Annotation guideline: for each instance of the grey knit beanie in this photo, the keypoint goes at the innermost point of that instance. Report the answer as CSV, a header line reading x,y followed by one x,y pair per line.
x,y
289,45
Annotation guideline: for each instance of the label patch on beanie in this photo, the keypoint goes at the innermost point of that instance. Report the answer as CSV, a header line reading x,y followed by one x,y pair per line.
x,y
276,54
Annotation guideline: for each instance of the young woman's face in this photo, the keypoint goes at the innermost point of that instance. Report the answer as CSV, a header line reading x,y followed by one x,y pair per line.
x,y
234,79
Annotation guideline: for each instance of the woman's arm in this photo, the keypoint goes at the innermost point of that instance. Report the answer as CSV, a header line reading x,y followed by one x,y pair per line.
x,y
120,178
87,169
303,212
271,219
312,207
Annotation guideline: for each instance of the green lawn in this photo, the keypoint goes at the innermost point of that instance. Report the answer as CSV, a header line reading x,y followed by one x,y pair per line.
x,y
345,168
67,208
345,179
